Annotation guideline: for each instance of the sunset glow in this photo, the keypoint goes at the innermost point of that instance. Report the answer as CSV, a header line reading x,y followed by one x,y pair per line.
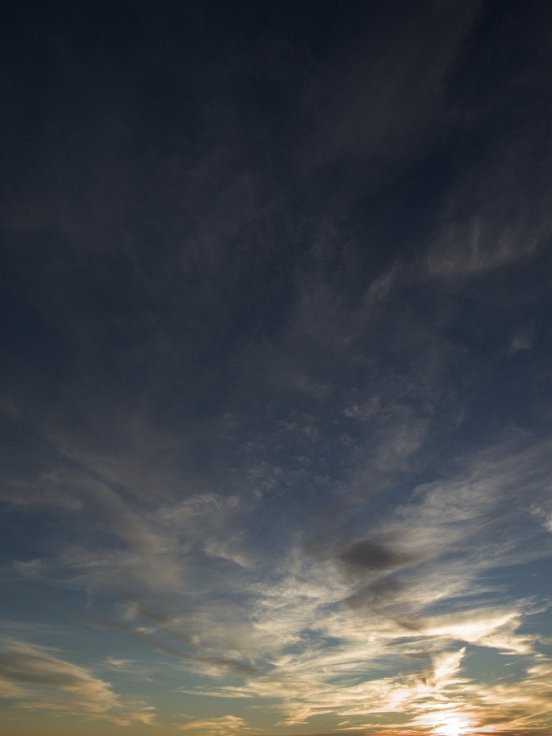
x,y
447,723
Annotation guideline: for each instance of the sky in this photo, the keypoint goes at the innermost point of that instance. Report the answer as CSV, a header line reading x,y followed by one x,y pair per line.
x,y
275,397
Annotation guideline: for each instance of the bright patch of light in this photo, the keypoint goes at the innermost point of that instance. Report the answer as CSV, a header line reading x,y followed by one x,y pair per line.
x,y
450,723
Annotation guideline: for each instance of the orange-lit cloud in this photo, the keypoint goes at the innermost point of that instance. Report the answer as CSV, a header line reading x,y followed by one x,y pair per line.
x,y
222,726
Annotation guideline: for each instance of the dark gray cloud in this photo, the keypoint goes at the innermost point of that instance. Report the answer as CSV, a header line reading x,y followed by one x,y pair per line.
x,y
369,556
379,594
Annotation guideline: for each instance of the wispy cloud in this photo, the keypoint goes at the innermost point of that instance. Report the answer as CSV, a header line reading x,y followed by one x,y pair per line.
x,y
319,628
37,679
222,726
491,220
276,405
338,623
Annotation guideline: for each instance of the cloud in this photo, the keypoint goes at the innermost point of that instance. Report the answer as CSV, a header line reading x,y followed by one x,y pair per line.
x,y
380,103
38,679
522,340
333,634
497,215
269,351
316,629
368,556
222,726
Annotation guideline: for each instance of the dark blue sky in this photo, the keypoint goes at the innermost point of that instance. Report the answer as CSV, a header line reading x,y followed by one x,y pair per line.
x,y
275,410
